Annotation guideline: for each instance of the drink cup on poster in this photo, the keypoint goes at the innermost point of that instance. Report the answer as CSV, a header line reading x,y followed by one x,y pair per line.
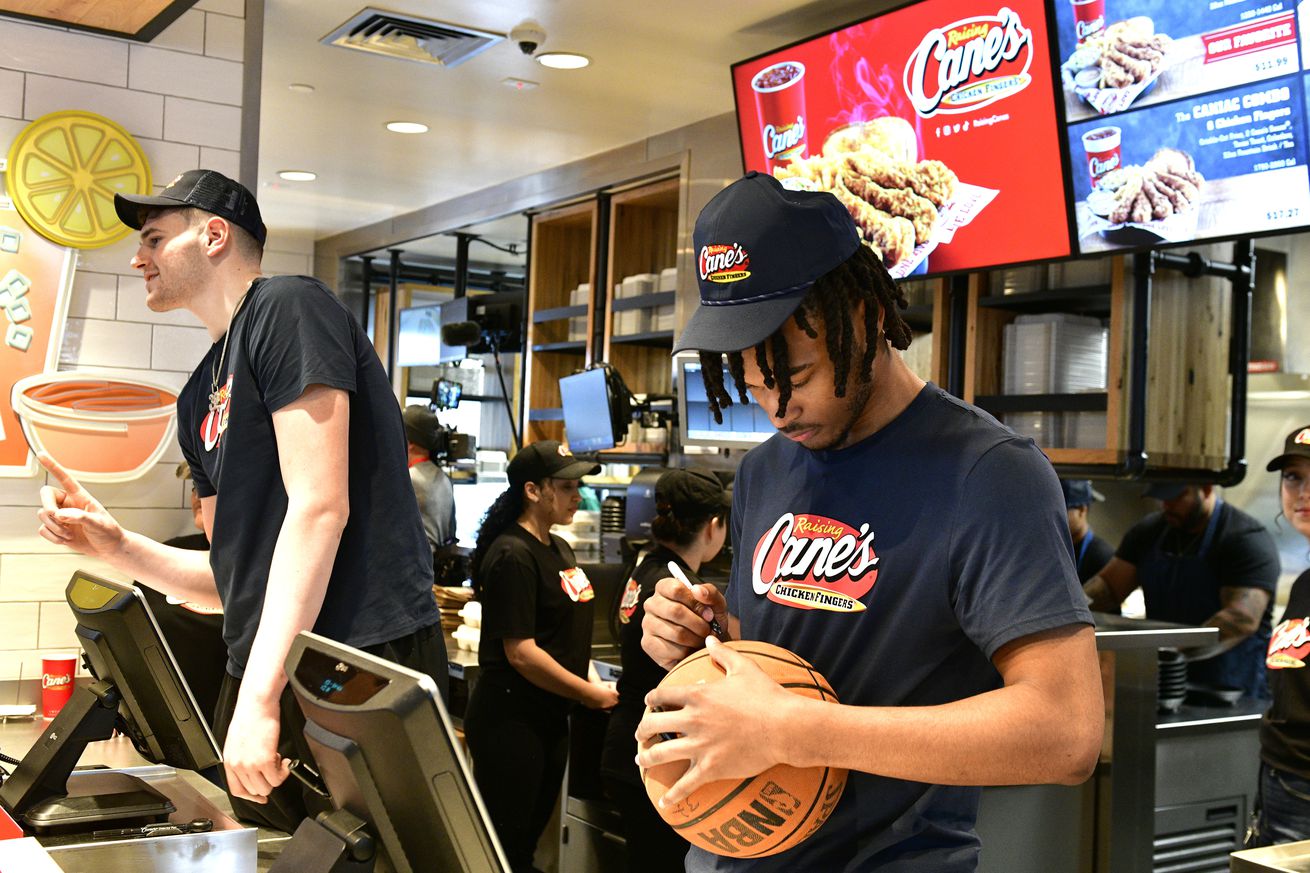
x,y
1088,18
780,102
1103,155
57,673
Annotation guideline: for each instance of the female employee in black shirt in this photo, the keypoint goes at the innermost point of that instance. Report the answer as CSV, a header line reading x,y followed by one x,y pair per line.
x,y
689,529
1285,731
535,648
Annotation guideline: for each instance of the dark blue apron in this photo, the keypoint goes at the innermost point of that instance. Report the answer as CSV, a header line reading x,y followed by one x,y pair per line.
x,y
1185,589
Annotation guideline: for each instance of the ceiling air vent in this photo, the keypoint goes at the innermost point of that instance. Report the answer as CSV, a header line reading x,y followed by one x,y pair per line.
x,y
411,38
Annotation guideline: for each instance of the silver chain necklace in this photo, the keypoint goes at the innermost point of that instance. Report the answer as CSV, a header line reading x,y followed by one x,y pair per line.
x,y
217,396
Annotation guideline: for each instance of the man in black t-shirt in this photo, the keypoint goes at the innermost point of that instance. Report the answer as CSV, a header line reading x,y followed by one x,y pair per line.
x,y
1091,553
291,418
1200,561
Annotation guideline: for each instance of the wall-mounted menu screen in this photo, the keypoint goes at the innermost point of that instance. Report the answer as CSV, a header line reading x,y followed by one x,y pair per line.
x,y
1185,120
934,124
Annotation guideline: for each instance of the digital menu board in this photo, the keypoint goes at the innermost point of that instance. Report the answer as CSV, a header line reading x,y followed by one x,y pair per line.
x,y
1185,120
934,125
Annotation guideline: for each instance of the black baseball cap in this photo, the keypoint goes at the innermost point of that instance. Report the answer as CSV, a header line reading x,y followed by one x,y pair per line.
x,y
547,459
759,247
209,190
691,492
1297,446
420,425
1165,490
1079,492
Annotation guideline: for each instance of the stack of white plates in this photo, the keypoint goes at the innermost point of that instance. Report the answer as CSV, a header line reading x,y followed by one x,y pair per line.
x,y
1055,353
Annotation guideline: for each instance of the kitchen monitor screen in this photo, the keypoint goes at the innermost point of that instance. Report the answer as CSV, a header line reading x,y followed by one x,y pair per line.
x,y
743,425
589,421
934,125
1185,120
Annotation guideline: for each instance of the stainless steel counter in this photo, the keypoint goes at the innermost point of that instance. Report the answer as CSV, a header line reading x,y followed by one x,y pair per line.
x,y
231,847
1287,858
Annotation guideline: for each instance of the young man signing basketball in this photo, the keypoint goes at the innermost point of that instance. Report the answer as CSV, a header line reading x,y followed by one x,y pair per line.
x,y
905,543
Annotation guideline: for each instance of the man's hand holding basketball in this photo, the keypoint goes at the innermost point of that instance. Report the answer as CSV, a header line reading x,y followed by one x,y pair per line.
x,y
677,620
71,517
730,729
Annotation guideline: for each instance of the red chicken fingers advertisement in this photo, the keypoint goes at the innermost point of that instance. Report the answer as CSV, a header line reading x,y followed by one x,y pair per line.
x,y
934,125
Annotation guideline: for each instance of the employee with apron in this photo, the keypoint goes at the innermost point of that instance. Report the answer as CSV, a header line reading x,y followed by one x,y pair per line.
x,y
1200,561
535,648
1091,553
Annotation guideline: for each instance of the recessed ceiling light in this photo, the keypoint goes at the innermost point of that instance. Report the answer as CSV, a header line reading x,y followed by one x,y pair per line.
x,y
301,88
297,175
518,84
563,60
407,127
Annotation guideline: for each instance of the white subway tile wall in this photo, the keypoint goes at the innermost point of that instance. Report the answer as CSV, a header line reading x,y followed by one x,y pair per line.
x,y
202,123
181,97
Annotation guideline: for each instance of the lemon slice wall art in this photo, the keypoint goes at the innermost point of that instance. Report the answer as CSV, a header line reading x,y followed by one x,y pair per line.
x,y
64,170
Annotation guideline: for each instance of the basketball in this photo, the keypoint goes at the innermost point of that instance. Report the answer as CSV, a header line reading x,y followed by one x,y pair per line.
x,y
765,814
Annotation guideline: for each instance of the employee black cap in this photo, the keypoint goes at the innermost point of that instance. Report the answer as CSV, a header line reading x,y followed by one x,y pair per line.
x,y
1297,446
209,190
547,459
759,247
691,492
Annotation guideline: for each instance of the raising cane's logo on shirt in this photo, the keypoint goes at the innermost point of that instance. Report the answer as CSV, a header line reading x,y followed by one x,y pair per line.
x,y
723,263
576,585
1289,644
969,64
813,562
211,429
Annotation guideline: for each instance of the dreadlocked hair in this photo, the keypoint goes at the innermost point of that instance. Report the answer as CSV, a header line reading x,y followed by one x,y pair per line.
x,y
861,278
503,512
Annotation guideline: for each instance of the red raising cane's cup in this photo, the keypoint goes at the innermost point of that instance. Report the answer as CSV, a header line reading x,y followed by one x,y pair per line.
x,y
1088,18
1102,146
780,101
56,683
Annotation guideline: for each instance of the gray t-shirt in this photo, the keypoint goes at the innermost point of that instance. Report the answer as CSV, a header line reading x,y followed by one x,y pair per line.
x,y
436,502
898,566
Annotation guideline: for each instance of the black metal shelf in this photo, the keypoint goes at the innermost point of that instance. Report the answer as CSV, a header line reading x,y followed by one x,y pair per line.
x,y
1088,300
653,338
577,346
996,404
644,301
547,413
559,313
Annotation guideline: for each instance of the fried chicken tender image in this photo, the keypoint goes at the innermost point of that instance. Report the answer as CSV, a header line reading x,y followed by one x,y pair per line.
x,y
891,237
895,201
932,180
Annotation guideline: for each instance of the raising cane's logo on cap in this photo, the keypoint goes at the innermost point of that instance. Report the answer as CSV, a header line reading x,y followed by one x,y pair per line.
x,y
1289,644
969,64
813,562
1302,438
723,263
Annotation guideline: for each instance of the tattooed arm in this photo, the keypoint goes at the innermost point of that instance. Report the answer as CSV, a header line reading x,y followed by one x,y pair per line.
x,y
1238,617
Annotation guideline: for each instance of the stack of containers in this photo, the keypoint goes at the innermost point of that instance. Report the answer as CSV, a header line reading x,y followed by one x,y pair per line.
x,y
1056,353
631,321
663,317
579,296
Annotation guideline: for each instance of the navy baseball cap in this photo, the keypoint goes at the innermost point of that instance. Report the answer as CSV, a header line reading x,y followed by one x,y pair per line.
x,y
759,247
208,190
1079,492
